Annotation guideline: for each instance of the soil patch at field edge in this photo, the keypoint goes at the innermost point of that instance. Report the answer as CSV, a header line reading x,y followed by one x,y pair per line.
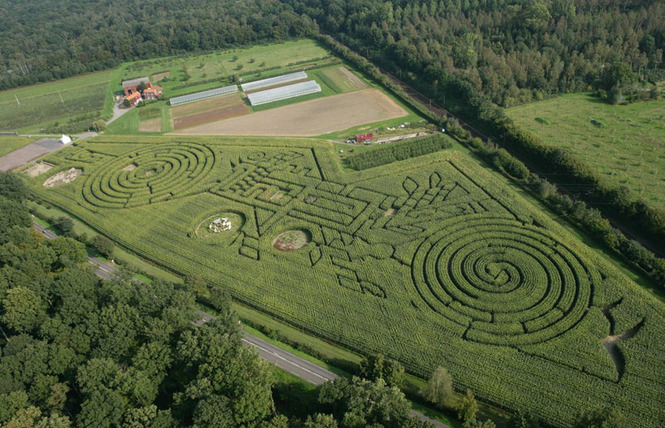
x,y
63,177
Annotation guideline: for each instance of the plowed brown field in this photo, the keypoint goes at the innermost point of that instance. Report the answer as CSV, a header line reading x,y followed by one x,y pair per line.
x,y
309,118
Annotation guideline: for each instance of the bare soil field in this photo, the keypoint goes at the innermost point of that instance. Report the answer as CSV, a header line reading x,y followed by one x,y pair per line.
x,y
38,169
152,125
160,76
309,118
63,177
210,110
291,240
345,79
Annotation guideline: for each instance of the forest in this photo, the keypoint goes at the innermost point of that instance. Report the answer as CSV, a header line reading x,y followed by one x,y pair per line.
x,y
512,50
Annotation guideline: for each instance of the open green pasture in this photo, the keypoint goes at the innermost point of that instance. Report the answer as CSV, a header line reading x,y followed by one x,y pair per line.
x,y
41,106
188,74
431,261
626,143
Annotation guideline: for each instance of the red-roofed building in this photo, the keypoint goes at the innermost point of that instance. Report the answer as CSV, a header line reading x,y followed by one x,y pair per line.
x,y
152,93
364,138
133,98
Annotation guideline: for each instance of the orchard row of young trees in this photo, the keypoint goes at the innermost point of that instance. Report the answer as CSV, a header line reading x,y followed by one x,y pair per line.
x,y
79,351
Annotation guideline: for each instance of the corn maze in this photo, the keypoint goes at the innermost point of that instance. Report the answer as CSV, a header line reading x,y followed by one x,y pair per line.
x,y
430,261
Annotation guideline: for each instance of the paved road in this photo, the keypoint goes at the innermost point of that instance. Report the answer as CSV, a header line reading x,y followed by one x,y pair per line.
x,y
305,370
117,112
34,151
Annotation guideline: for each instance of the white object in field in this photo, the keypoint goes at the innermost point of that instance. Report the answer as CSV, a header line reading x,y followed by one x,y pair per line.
x,y
175,101
284,78
220,225
65,139
283,92
443,129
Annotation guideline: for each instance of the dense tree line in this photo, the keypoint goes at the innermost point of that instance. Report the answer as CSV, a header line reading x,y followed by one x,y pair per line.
x,y
47,40
510,50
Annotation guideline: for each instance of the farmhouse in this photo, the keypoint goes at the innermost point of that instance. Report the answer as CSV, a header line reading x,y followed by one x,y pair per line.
x,y
134,85
364,138
133,98
152,93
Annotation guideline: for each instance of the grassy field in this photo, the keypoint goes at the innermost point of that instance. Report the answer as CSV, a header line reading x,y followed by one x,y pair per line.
x,y
625,143
8,143
183,75
431,261
42,106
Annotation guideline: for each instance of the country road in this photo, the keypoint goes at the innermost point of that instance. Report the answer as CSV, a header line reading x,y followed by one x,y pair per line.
x,y
290,363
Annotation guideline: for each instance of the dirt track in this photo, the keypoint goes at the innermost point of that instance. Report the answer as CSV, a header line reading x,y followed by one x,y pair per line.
x,y
309,118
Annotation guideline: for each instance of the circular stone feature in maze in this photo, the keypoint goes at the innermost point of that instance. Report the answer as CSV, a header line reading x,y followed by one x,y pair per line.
x,y
154,173
499,282
63,177
292,240
220,226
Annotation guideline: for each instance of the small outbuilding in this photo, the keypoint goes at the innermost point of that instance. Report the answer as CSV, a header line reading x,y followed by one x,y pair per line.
x,y
65,139
364,138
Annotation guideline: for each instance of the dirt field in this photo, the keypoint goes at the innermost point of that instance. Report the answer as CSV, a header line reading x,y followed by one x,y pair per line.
x,y
210,110
63,177
151,125
160,76
290,240
344,79
309,118
38,168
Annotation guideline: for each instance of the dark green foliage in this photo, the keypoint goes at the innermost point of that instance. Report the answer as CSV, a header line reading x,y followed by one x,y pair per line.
x,y
12,187
602,418
102,245
467,409
398,151
360,403
376,366
13,215
65,226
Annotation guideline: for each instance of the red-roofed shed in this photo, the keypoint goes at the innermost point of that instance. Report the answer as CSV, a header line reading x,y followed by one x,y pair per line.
x,y
361,138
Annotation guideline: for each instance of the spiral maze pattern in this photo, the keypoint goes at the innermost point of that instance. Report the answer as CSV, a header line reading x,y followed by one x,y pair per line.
x,y
500,282
150,174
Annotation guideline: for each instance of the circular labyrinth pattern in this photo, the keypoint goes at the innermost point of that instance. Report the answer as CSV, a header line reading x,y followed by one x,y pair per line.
x,y
500,282
151,174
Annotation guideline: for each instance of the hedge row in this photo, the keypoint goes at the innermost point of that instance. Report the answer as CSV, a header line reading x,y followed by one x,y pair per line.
x,y
398,151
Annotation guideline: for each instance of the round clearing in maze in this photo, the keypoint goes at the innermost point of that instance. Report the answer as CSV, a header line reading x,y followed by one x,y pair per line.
x,y
154,173
220,226
63,177
292,240
501,282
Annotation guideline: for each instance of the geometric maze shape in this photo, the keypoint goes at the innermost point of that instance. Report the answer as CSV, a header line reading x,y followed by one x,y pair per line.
x,y
504,282
153,173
